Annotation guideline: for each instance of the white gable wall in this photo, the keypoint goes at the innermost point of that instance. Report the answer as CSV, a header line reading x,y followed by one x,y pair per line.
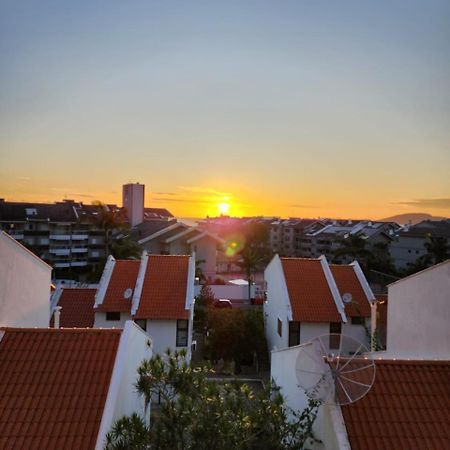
x,y
24,286
277,305
419,315
101,322
122,398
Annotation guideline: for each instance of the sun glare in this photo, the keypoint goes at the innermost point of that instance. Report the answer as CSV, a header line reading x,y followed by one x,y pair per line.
x,y
224,208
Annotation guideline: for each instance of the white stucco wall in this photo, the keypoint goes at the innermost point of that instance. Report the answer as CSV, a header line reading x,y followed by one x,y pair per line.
x,y
231,292
276,306
357,332
101,322
122,397
419,315
164,336
206,249
24,286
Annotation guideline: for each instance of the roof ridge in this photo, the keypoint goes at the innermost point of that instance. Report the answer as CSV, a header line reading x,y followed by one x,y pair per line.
x,y
62,330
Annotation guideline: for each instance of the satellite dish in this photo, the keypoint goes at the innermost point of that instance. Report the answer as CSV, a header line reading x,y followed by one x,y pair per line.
x,y
340,376
127,293
347,298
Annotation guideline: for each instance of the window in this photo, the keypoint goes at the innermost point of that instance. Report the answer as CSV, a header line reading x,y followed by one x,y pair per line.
x,y
335,331
280,328
294,333
358,320
182,333
142,323
113,315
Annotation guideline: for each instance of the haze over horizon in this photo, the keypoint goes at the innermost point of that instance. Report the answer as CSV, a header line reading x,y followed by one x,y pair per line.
x,y
294,108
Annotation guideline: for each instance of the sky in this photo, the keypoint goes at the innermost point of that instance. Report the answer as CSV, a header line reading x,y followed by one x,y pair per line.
x,y
290,108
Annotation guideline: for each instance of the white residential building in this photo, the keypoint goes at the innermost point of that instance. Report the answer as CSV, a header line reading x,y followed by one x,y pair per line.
x,y
157,292
177,238
304,300
24,286
65,388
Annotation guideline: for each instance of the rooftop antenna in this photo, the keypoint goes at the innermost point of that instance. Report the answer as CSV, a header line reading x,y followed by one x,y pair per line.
x,y
338,377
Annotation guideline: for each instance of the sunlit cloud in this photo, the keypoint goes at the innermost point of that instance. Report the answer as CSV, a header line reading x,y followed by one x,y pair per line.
x,y
438,203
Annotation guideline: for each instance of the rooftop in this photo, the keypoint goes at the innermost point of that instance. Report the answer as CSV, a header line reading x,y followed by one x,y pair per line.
x,y
309,292
53,386
408,407
164,288
77,308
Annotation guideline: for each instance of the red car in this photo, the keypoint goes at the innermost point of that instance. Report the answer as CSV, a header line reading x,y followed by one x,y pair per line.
x,y
223,303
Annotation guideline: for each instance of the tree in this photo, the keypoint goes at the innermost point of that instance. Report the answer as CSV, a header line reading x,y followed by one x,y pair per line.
x,y
355,247
204,300
125,248
251,262
437,249
107,220
200,413
235,335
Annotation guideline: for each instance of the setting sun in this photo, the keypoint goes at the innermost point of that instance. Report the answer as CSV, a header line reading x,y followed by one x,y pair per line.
x,y
224,208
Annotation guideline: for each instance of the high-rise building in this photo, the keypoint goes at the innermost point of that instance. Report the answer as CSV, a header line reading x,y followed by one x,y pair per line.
x,y
133,200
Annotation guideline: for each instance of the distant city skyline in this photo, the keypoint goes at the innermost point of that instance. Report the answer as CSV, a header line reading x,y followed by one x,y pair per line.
x,y
295,108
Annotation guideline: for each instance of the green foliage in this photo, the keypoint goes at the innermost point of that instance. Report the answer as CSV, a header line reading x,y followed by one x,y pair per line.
x,y
200,413
204,300
235,335
125,248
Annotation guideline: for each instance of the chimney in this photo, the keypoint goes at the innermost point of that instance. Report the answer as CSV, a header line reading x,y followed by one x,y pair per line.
x,y
56,316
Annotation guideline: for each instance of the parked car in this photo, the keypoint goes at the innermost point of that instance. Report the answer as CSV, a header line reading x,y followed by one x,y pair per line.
x,y
223,303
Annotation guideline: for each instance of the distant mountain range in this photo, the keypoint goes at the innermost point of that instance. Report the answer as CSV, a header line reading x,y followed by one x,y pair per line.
x,y
412,218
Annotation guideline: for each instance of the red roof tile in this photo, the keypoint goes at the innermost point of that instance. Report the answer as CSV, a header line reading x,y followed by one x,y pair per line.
x,y
165,288
53,386
309,292
408,407
77,308
347,281
123,277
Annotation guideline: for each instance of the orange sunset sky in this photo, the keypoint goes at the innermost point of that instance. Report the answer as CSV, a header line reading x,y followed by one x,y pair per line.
x,y
337,109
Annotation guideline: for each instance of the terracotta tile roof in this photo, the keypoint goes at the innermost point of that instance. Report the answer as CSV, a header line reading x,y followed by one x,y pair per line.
x,y
124,276
165,288
53,386
77,308
309,292
407,408
347,281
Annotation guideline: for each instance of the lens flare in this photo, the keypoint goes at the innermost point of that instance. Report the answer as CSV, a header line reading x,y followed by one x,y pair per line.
x,y
224,208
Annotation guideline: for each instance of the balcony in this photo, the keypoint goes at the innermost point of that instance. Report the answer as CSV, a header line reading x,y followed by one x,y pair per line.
x,y
79,250
60,265
17,237
60,237
79,263
60,251
79,237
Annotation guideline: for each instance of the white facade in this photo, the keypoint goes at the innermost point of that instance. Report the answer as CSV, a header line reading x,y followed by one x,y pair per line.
x,y
24,286
122,398
278,311
133,201
277,307
418,321
229,291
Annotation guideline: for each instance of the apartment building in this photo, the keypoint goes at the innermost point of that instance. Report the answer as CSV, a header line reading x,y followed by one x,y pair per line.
x,y
63,234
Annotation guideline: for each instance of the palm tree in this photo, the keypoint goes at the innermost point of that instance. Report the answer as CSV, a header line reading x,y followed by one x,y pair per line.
x,y
437,249
251,262
354,246
125,248
108,221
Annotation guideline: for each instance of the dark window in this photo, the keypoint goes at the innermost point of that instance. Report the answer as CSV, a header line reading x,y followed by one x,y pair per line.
x,y
112,315
335,331
142,323
358,320
280,328
182,333
294,333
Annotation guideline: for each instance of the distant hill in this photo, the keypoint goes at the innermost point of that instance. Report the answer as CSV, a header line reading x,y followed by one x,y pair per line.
x,y
413,217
